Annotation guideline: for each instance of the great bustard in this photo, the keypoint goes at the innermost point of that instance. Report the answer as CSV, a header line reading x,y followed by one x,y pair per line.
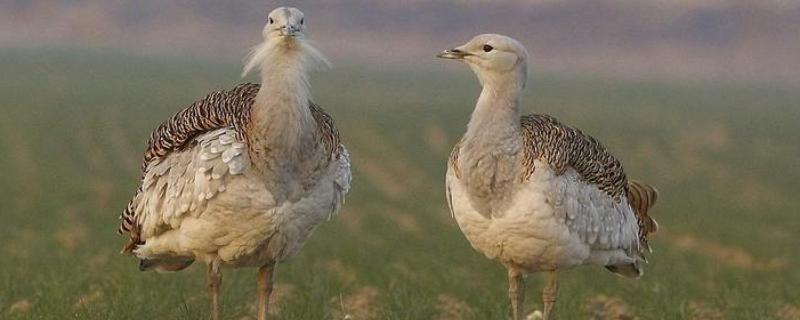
x,y
534,194
243,177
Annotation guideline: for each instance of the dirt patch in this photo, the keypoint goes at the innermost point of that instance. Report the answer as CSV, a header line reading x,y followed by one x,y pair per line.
x,y
98,261
387,182
360,305
403,220
701,311
20,306
280,292
788,312
73,231
86,299
103,191
350,218
452,308
602,307
728,255
22,239
345,274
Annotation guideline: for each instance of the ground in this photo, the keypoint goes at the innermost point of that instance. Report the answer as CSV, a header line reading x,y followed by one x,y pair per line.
x,y
74,122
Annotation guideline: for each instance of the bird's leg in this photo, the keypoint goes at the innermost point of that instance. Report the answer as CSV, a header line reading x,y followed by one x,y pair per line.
x,y
265,280
516,293
214,284
549,294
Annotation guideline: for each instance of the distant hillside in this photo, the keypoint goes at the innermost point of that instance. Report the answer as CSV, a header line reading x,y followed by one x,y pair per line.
x,y
710,40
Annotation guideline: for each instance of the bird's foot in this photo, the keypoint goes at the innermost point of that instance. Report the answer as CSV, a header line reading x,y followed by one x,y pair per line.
x,y
535,315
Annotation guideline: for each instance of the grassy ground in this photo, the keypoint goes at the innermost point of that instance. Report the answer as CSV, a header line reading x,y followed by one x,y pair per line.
x,y
73,125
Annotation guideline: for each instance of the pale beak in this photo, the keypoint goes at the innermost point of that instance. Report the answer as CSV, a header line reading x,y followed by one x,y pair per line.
x,y
453,54
290,31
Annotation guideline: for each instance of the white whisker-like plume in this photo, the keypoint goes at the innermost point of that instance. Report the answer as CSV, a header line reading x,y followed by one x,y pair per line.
x,y
274,50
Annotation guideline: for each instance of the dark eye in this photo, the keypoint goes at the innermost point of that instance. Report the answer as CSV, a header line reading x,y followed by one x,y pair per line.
x,y
271,21
487,48
302,20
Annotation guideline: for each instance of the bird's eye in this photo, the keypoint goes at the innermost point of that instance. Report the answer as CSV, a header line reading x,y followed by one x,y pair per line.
x,y
302,20
271,21
487,48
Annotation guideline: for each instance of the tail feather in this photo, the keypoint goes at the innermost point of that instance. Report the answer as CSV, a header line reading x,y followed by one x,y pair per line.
x,y
629,270
171,265
642,197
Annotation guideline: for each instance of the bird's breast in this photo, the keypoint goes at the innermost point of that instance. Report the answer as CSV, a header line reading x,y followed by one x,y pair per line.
x,y
526,231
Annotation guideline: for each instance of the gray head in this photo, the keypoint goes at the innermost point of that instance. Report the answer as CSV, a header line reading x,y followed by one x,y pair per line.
x,y
285,41
492,57
286,23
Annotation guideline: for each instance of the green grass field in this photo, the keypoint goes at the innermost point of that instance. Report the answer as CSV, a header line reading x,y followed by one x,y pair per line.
x,y
73,124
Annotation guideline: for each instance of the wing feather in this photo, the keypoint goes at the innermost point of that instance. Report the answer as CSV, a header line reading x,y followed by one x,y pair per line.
x,y
215,125
566,149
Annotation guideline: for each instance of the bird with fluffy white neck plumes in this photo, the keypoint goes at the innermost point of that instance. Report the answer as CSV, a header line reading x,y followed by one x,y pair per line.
x,y
242,177
534,194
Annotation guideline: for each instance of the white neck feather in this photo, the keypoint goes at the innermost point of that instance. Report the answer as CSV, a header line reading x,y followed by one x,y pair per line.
x,y
491,148
495,119
284,65
281,120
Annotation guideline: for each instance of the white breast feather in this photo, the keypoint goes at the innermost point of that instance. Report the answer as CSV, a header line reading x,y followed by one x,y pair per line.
x,y
184,181
341,179
555,221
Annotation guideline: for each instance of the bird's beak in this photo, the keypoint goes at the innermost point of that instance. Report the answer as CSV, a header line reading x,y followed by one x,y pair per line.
x,y
290,30
455,53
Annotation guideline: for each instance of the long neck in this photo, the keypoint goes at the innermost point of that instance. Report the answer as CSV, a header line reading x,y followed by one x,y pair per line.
x,y
490,150
495,120
282,126
284,92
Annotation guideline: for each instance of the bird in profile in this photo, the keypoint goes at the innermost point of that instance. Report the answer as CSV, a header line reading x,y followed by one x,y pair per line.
x,y
242,177
534,194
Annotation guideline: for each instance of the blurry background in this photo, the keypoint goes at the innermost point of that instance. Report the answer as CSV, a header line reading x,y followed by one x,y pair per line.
x,y
699,98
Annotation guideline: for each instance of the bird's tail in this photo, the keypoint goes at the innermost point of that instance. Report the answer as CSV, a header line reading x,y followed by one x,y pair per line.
x,y
629,270
641,197
164,265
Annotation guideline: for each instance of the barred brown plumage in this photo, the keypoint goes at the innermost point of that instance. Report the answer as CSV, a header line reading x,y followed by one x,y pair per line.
x,y
217,110
642,197
220,109
562,147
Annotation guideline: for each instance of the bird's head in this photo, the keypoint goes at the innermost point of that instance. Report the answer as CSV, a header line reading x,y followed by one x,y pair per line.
x,y
287,23
492,56
285,43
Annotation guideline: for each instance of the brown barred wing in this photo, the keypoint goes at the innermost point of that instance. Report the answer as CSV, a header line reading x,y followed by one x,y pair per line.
x,y
328,133
562,147
217,110
227,108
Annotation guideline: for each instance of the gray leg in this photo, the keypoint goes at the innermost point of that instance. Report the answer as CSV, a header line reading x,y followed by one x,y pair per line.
x,y
549,294
214,276
266,276
516,293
